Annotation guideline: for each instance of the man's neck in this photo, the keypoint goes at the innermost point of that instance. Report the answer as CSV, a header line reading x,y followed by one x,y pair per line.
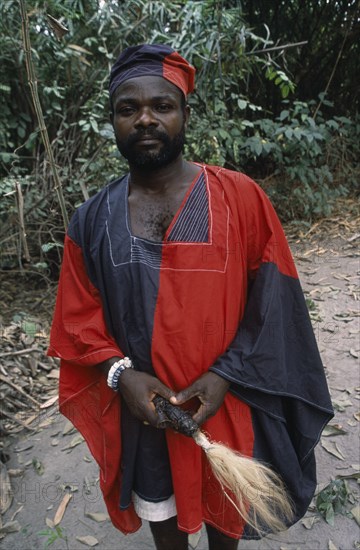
x,y
163,179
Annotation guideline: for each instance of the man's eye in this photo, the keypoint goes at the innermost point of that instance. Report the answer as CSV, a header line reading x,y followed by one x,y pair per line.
x,y
125,111
163,107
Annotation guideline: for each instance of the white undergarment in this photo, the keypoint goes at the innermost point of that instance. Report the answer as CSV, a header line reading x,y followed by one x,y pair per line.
x,y
154,511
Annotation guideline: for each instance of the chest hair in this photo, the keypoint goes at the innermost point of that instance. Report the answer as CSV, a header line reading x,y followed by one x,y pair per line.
x,y
151,216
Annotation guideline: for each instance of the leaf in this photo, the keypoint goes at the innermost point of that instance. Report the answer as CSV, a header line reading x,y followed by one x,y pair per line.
x,y
354,353
333,429
355,475
79,49
94,125
16,472
46,247
6,495
61,509
68,428
332,448
10,527
341,404
331,545
356,513
59,29
330,514
283,115
86,486
69,487
88,540
45,423
50,402
357,416
258,148
55,373
38,466
309,522
25,448
242,104
49,522
76,440
97,516
345,317
351,422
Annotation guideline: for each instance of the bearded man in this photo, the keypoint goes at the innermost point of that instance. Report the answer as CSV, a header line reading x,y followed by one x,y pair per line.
x,y
177,281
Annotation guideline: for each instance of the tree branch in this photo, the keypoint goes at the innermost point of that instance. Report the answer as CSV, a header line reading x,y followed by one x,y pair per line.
x,y
39,114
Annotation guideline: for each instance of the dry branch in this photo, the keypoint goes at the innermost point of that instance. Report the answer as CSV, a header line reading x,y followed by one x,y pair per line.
x,y
13,418
20,206
39,114
275,48
18,389
18,352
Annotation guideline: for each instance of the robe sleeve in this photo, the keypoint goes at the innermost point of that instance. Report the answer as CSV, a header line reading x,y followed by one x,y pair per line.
x,y
273,362
81,339
79,333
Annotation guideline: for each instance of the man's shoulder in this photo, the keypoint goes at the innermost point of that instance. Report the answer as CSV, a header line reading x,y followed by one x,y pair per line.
x,y
234,182
102,195
94,204
96,207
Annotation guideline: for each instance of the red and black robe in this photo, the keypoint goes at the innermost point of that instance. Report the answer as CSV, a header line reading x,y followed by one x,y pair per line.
x,y
220,292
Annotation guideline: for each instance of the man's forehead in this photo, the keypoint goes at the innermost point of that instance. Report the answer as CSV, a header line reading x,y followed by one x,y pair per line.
x,y
149,86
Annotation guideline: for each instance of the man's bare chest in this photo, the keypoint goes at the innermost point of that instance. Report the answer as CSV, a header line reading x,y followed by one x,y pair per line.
x,y
150,217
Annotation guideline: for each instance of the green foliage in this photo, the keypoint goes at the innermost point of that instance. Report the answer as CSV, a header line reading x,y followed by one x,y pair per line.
x,y
245,110
332,32
334,499
73,73
54,535
308,162
282,80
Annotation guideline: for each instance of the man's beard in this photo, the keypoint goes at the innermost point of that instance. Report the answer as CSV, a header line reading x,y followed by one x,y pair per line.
x,y
151,160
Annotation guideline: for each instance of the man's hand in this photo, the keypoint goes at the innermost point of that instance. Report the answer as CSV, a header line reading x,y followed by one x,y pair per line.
x,y
210,389
139,389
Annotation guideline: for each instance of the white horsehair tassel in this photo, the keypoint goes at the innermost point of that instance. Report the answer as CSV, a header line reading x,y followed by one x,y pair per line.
x,y
257,493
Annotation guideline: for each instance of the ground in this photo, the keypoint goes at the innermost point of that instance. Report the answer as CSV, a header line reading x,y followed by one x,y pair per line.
x,y
49,464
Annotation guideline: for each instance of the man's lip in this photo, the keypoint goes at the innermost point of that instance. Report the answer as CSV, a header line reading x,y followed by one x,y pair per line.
x,y
147,139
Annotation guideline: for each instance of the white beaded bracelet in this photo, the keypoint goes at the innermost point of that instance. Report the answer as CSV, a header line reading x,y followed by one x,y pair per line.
x,y
116,370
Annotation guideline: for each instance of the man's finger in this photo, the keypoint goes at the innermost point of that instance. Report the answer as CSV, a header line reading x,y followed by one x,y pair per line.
x,y
164,391
151,418
201,414
184,396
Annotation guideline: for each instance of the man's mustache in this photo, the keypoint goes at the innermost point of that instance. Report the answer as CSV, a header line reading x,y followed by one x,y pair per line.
x,y
153,134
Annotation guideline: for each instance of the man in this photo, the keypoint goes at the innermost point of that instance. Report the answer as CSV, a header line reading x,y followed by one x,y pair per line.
x,y
177,281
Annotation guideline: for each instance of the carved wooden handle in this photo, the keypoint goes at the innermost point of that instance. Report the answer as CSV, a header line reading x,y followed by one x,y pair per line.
x,y
174,417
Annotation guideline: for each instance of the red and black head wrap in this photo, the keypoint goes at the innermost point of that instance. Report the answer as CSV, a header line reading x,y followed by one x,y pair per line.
x,y
152,60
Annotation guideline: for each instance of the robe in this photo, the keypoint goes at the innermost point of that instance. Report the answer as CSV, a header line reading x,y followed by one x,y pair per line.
x,y
220,292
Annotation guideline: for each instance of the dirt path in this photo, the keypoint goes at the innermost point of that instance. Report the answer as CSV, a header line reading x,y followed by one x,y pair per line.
x,y
53,461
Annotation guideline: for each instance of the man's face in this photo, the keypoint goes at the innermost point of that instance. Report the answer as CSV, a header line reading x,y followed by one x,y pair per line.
x,y
149,121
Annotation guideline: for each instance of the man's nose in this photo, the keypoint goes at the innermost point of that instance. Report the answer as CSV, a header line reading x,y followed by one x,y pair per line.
x,y
146,118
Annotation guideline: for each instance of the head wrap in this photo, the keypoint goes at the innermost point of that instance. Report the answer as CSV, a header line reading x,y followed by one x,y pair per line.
x,y
152,60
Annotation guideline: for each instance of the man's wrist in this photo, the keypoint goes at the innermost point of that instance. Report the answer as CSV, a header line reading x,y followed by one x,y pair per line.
x,y
106,365
221,379
116,370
